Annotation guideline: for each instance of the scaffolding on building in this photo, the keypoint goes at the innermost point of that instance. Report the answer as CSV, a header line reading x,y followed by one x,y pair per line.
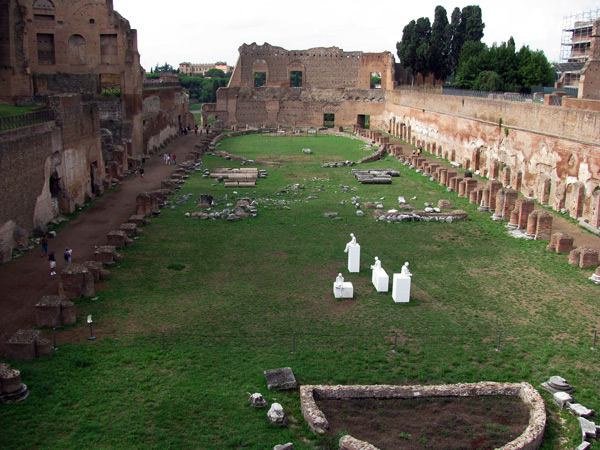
x,y
576,36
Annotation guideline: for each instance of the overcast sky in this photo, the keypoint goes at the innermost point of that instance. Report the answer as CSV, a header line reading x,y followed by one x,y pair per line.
x,y
208,31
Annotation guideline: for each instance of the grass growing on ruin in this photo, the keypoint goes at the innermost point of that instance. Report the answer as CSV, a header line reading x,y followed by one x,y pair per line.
x,y
246,287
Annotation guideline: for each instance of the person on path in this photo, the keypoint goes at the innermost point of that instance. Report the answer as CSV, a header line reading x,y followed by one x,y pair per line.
x,y
52,262
44,246
168,160
165,157
174,157
142,173
68,253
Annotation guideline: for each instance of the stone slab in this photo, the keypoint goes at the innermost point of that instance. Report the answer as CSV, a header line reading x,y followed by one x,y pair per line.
x,y
562,399
281,379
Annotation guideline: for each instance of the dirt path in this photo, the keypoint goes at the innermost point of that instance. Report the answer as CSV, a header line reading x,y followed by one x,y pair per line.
x,y
24,281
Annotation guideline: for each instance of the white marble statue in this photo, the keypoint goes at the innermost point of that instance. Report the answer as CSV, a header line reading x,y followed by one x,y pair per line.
x,y
339,280
405,270
352,242
377,264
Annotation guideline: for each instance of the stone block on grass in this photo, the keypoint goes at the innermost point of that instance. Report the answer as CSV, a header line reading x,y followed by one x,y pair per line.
x,y
280,379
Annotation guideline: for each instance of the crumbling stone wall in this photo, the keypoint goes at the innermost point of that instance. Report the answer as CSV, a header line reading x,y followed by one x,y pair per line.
x,y
165,112
322,68
72,46
530,439
49,168
550,153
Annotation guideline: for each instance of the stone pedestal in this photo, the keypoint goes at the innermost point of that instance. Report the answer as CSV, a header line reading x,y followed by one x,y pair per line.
x,y
354,258
380,280
401,288
343,290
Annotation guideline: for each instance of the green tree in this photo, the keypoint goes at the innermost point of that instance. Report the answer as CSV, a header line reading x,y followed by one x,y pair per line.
x,y
375,81
214,73
440,44
407,49
488,80
166,67
423,53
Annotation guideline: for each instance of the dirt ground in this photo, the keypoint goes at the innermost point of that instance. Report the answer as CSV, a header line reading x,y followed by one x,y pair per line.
x,y
447,423
24,281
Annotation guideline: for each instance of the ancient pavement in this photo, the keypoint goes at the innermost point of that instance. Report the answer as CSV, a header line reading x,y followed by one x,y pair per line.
x,y
24,281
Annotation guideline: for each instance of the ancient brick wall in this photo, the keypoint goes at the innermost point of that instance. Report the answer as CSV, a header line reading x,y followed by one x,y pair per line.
x,y
73,46
301,107
553,150
25,199
322,68
165,112
49,168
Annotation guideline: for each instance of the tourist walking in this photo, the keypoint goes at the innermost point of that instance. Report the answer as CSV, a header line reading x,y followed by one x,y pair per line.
x,y
174,158
142,173
68,253
168,160
44,246
52,262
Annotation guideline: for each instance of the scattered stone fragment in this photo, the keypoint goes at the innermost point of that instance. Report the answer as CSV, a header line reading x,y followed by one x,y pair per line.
x,y
557,384
281,379
580,411
288,446
588,429
276,415
562,399
257,401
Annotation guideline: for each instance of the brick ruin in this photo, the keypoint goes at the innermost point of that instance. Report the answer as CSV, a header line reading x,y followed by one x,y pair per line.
x,y
530,439
80,60
547,153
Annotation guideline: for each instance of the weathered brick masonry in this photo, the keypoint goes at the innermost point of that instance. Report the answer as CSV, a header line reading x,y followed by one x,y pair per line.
x,y
548,153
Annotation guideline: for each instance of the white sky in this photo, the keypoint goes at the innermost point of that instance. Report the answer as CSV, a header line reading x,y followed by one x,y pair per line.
x,y
208,31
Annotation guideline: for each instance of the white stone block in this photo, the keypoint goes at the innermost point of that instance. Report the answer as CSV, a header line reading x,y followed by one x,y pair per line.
x,y
346,290
561,399
380,280
354,258
401,288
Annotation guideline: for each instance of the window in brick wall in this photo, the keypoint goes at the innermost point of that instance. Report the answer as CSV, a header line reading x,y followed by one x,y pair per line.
x,y
260,79
45,47
109,49
296,78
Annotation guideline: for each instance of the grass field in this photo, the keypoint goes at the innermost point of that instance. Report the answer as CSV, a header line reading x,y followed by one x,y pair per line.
x,y
247,287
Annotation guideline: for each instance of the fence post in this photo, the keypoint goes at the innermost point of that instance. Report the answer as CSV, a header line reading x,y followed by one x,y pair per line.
x,y
595,335
396,343
499,339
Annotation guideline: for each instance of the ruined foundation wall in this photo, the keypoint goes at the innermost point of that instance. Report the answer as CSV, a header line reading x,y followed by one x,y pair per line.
x,y
165,112
25,161
301,107
555,150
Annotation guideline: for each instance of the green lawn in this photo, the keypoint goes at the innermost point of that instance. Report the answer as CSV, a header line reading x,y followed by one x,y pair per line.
x,y
248,286
9,110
